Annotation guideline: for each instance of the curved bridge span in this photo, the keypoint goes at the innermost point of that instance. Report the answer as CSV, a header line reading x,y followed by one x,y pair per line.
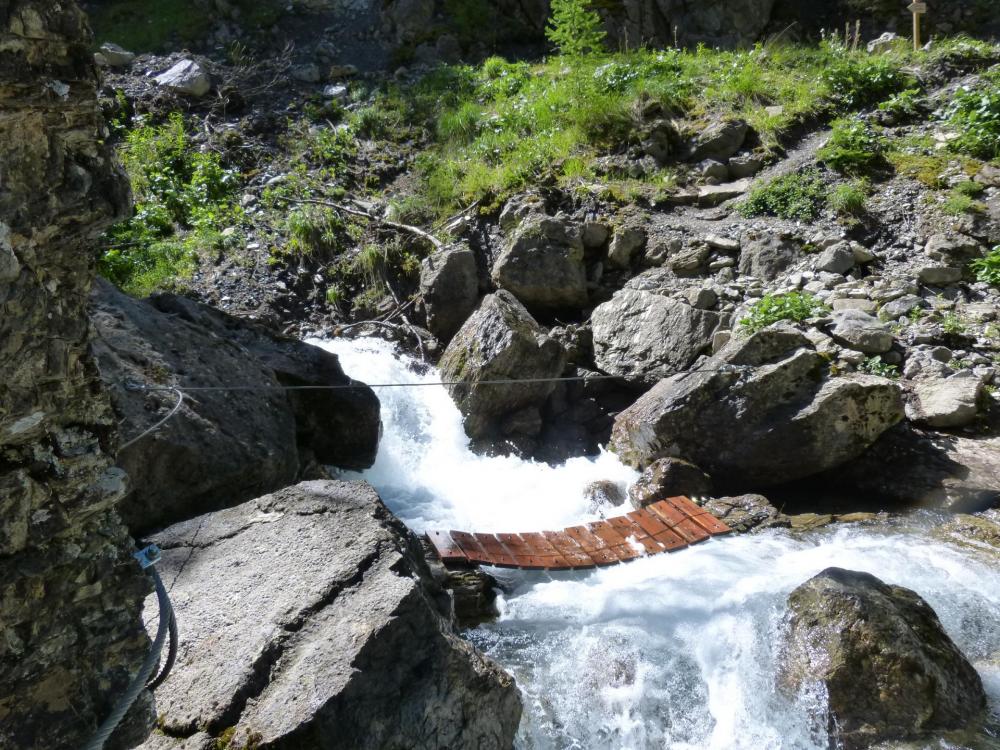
x,y
666,526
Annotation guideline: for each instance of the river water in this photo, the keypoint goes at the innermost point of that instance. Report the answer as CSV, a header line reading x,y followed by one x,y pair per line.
x,y
671,651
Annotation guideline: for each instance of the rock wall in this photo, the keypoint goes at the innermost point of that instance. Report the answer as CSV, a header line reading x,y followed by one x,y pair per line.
x,y
70,594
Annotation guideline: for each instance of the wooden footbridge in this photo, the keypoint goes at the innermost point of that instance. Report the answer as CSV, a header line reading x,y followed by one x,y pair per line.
x,y
666,526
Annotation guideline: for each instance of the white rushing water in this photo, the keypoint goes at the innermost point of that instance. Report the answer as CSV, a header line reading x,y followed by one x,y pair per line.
x,y
671,651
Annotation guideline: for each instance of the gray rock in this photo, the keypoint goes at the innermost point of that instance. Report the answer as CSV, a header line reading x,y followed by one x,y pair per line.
x,y
317,648
713,170
595,234
760,412
336,91
603,493
720,140
885,42
725,244
223,447
745,165
946,402
115,56
838,258
10,267
186,77
939,275
765,257
864,305
744,513
861,332
668,477
542,265
449,286
518,208
880,657
900,308
952,249
703,298
499,341
713,195
306,73
689,261
625,245
642,336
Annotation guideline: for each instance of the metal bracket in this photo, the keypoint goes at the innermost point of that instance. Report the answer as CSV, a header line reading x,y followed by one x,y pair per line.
x,y
148,556
134,385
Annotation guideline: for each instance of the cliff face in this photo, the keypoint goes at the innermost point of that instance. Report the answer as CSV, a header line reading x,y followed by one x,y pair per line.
x,y
70,594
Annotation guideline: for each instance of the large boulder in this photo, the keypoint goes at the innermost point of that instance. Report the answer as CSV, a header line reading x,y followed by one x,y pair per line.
x,y
668,477
309,619
449,285
946,402
643,336
222,447
501,341
761,412
880,656
542,265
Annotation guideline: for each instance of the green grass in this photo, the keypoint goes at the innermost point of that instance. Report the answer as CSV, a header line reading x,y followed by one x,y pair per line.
x,y
974,114
797,195
772,308
958,203
850,198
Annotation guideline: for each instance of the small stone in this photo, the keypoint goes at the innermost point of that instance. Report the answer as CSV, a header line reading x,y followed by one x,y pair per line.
x,y
745,165
702,299
948,402
712,169
713,195
115,56
884,43
726,244
864,305
335,91
307,73
900,308
186,77
836,259
689,261
861,332
862,254
625,245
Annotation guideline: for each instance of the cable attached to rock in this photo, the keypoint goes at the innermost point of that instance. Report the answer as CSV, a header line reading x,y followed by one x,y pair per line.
x,y
147,558
180,400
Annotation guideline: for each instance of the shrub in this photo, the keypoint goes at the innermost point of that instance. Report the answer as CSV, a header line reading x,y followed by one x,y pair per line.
x,y
904,105
798,195
858,80
849,198
183,200
793,306
958,203
854,147
987,269
875,366
975,116
575,28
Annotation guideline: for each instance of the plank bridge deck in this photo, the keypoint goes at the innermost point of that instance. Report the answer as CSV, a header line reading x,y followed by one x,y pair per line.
x,y
666,526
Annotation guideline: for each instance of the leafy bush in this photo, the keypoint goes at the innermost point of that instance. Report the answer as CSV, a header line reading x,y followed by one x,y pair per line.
x,y
183,200
793,306
857,80
798,195
855,146
575,28
904,105
875,366
975,116
987,269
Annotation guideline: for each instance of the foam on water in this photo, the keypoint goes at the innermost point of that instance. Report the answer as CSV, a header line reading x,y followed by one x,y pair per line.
x,y
675,651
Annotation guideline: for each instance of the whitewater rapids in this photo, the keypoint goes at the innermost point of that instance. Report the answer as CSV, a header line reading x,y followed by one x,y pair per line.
x,y
671,651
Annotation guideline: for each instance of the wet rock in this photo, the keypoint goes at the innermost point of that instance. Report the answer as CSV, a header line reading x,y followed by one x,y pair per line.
x,y
881,657
765,257
669,477
762,411
642,336
603,493
744,513
861,332
316,648
979,532
542,265
499,341
946,402
449,286
720,140
186,77
221,447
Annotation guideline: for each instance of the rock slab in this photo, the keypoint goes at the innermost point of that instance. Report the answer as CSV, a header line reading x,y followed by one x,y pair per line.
x,y
882,657
309,619
761,412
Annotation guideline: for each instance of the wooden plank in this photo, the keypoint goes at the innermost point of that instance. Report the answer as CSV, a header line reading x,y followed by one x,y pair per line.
x,y
606,533
472,548
649,522
593,545
544,549
499,554
569,549
679,522
447,548
699,515
627,527
671,540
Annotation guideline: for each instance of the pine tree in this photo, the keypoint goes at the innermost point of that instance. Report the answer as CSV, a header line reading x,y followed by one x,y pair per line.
x,y
575,28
